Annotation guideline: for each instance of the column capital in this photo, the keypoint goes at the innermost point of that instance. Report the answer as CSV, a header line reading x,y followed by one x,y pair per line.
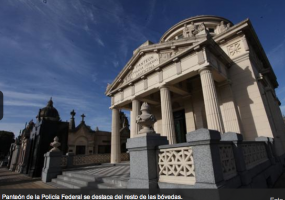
x,y
164,86
209,68
135,98
114,107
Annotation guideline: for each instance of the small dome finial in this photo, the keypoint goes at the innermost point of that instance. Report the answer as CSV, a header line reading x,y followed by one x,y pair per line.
x,y
50,102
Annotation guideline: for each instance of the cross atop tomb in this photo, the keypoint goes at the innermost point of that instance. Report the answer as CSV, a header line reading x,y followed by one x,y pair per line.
x,y
83,117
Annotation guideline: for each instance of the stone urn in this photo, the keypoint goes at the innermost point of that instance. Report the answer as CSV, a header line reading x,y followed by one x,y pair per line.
x,y
55,144
146,120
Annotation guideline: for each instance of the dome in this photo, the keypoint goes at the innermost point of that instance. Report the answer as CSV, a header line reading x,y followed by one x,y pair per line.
x,y
213,24
49,112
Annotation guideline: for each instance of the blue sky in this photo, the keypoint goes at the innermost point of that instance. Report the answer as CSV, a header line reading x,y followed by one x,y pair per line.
x,y
71,49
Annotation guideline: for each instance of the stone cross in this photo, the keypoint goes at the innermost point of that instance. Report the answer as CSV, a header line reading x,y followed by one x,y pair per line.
x,y
83,117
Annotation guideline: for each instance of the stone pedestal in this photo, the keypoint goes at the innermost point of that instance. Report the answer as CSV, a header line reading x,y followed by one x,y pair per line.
x,y
143,160
52,166
207,161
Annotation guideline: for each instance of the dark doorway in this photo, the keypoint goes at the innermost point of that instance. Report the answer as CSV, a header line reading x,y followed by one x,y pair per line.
x,y
180,126
80,150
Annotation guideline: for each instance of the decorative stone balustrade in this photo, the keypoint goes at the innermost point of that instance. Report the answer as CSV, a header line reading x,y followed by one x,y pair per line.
x,y
90,159
63,161
176,165
254,153
228,161
212,160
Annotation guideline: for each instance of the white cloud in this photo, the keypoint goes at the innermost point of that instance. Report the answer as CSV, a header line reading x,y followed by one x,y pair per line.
x,y
100,42
22,103
116,64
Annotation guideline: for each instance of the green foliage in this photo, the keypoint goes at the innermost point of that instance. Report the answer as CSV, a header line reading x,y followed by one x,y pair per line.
x,y
6,138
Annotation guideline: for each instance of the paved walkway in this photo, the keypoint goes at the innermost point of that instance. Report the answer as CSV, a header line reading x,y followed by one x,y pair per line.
x,y
121,171
13,180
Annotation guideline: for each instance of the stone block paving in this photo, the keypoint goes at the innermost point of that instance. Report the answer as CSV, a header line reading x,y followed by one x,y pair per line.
x,y
13,180
122,172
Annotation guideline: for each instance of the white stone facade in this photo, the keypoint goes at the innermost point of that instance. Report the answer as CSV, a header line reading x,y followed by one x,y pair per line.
x,y
205,72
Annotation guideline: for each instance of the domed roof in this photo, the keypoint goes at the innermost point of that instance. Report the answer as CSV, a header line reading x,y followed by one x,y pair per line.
x,y
49,112
209,21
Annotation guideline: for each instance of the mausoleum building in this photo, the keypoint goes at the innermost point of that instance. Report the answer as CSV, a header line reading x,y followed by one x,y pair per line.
x,y
205,72
83,140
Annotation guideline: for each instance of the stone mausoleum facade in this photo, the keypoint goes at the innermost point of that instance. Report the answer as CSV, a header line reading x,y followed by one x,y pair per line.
x,y
205,72
82,140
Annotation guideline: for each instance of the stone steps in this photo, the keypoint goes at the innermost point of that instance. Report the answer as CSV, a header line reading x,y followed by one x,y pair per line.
x,y
75,180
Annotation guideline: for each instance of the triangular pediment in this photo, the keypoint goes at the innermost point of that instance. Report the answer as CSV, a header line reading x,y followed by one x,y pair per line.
x,y
143,62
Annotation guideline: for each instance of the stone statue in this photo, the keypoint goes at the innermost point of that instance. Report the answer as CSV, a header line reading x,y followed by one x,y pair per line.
x,y
222,27
201,29
146,120
188,30
108,86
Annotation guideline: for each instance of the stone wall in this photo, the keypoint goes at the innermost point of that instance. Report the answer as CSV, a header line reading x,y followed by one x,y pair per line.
x,y
211,160
207,160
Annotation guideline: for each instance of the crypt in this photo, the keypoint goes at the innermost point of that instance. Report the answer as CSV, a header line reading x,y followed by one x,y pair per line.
x,y
82,140
205,72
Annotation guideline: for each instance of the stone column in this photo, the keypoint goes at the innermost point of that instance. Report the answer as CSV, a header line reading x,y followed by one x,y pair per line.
x,y
115,137
135,112
211,100
167,115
